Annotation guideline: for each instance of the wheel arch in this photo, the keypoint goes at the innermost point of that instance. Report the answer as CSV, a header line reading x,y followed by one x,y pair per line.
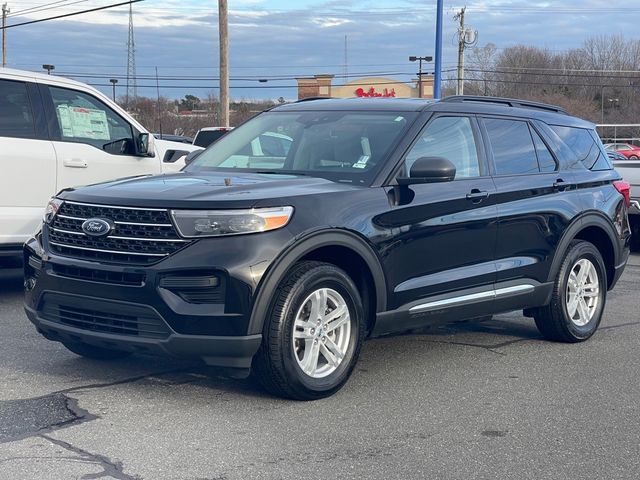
x,y
596,229
342,248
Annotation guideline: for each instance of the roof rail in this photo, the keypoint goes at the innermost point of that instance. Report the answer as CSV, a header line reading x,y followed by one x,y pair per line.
x,y
308,99
511,102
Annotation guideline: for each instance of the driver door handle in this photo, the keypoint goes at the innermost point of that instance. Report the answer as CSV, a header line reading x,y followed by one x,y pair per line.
x,y
75,163
476,195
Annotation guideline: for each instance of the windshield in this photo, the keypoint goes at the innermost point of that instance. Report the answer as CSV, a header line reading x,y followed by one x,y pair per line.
x,y
341,146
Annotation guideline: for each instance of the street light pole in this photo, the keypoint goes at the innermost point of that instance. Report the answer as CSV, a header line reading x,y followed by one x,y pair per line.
x,y
113,82
438,67
413,58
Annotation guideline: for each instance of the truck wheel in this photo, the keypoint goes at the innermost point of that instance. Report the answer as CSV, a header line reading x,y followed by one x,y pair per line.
x,y
96,353
313,335
579,296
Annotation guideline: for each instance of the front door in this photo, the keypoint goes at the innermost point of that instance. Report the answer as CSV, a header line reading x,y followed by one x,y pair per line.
x,y
445,233
92,142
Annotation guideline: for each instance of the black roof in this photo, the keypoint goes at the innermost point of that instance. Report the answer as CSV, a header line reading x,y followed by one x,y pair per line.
x,y
469,104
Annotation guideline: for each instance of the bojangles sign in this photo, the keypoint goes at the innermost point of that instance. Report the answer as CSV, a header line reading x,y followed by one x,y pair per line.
x,y
361,92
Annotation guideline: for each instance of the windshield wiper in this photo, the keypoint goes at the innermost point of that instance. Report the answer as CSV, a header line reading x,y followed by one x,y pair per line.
x,y
281,172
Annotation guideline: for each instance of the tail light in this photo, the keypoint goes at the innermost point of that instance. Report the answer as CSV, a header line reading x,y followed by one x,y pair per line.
x,y
625,190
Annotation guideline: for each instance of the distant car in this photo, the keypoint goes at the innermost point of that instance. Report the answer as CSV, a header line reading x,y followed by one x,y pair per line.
x,y
208,135
616,156
629,151
173,138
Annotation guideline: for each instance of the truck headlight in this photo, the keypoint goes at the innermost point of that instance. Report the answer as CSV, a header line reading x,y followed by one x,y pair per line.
x,y
213,223
51,210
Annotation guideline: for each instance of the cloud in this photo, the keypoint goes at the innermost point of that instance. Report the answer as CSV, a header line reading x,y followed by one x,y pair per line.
x,y
269,38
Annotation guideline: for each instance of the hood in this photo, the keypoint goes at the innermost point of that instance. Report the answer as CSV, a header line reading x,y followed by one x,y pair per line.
x,y
204,190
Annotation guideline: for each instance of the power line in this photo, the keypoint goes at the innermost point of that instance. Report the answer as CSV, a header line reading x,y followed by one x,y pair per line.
x,y
46,6
71,14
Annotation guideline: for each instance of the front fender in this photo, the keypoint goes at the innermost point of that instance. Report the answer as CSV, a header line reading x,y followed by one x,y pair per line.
x,y
303,246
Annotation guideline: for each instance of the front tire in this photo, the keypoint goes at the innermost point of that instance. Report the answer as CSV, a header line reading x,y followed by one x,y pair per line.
x,y
313,335
579,296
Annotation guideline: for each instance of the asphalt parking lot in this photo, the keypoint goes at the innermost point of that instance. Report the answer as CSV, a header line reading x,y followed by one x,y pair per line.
x,y
490,400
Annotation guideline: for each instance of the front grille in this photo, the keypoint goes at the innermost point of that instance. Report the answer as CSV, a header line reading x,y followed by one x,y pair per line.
x,y
102,276
103,316
141,236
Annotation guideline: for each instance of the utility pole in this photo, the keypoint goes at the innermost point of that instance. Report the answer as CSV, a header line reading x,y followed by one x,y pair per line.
x,y
5,12
466,38
460,84
223,27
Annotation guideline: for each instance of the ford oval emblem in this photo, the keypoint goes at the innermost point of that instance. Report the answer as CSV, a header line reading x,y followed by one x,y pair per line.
x,y
97,227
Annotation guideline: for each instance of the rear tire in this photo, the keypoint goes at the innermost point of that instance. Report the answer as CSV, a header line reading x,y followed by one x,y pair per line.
x,y
96,353
579,296
312,337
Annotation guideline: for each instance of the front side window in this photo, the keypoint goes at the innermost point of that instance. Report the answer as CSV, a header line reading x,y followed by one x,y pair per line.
x,y
451,138
16,119
85,119
512,146
345,146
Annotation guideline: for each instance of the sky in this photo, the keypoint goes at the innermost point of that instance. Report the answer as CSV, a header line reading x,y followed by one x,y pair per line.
x,y
279,40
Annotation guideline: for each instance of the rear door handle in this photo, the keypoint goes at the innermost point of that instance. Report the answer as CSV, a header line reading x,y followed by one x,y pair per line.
x,y
560,185
75,163
477,195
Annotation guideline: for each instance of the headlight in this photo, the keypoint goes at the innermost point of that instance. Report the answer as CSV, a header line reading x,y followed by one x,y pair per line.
x,y
212,223
51,210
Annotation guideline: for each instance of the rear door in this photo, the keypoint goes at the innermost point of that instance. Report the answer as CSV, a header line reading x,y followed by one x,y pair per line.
x,y
445,232
27,161
93,143
536,200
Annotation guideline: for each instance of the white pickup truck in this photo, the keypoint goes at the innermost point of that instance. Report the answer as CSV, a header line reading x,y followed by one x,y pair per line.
x,y
630,171
56,133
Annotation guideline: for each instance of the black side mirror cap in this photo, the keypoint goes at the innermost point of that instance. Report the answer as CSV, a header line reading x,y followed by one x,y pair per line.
x,y
429,170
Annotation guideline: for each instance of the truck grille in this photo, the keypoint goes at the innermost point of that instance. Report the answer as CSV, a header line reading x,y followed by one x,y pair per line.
x,y
141,236
103,316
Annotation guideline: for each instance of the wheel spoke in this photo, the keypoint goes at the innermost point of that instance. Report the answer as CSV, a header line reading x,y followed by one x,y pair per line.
x,y
573,279
583,310
572,304
331,358
310,359
584,270
303,334
331,345
337,321
318,305
591,292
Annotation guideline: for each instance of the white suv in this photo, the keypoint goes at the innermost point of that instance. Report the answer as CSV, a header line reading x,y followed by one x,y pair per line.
x,y
56,133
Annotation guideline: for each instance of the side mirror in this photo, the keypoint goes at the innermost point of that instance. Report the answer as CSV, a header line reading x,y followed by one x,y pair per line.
x,y
429,170
191,156
146,145
172,156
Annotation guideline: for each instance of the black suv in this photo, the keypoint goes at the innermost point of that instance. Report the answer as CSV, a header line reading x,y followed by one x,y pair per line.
x,y
358,217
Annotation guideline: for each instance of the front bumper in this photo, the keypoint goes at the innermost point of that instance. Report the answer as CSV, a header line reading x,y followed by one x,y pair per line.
x,y
126,308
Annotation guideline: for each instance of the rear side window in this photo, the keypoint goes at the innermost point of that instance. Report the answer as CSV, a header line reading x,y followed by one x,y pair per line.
x,y
581,143
512,146
16,119
207,137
